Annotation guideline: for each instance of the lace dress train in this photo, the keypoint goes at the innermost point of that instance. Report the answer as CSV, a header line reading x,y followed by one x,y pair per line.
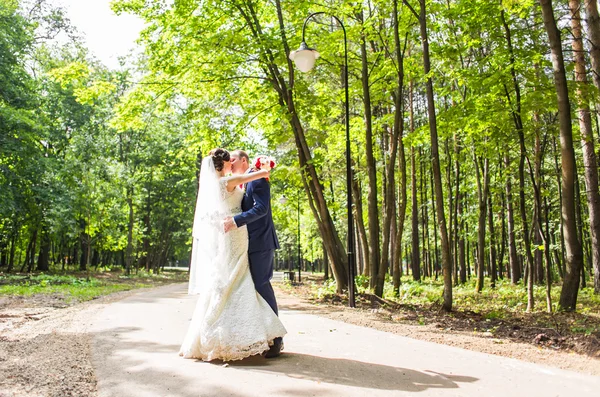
x,y
231,320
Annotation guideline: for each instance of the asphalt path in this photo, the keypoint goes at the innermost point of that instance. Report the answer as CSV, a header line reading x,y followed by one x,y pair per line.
x,y
136,340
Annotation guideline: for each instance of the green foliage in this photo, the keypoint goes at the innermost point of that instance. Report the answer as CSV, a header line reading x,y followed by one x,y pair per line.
x,y
70,287
99,167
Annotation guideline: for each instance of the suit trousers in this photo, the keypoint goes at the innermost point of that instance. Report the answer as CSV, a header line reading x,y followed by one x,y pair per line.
x,y
261,269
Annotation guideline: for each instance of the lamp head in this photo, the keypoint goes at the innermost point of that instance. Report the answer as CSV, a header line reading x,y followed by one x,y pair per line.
x,y
304,57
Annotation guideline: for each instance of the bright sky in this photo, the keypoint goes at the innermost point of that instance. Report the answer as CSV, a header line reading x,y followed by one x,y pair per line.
x,y
107,35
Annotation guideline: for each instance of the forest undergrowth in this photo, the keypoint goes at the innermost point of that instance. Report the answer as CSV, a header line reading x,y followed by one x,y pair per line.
x,y
496,313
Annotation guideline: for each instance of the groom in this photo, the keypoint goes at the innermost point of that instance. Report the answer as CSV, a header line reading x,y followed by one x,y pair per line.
x,y
256,207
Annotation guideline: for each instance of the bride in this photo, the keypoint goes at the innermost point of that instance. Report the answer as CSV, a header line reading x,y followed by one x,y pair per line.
x,y
231,320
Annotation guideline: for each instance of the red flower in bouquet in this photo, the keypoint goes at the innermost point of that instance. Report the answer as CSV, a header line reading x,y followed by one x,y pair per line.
x,y
264,163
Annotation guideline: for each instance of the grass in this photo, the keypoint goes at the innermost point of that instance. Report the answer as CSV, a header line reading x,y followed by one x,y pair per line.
x,y
505,302
493,302
82,286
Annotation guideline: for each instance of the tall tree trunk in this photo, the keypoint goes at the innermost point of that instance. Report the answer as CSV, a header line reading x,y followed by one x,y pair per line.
x,y
424,216
129,253
536,177
4,255
85,247
451,218
579,222
548,261
457,199
561,262
516,114
373,210
13,248
435,159
461,246
30,258
144,261
493,264
482,193
574,251
590,161
43,263
435,237
593,30
325,263
362,233
538,226
503,239
415,261
310,179
27,254
398,136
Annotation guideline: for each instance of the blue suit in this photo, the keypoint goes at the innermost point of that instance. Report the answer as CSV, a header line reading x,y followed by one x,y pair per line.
x,y
257,216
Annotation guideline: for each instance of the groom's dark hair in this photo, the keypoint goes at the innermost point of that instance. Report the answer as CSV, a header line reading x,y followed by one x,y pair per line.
x,y
241,154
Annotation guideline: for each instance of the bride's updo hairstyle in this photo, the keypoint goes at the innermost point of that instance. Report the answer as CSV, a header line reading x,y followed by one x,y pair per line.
x,y
219,156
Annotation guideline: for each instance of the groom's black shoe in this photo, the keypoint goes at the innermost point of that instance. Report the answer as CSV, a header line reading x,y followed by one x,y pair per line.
x,y
275,349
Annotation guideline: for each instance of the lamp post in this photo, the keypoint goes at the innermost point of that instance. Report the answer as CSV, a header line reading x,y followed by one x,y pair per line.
x,y
304,58
298,240
284,200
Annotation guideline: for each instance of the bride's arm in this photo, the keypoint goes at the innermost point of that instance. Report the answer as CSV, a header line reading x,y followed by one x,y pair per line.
x,y
236,180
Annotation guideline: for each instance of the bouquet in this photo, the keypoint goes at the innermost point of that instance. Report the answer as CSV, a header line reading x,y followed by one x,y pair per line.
x,y
266,163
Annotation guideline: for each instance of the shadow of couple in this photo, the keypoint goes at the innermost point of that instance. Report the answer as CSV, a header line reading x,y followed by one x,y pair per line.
x,y
350,372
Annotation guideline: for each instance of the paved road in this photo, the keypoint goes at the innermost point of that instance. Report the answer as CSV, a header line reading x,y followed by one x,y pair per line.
x,y
137,339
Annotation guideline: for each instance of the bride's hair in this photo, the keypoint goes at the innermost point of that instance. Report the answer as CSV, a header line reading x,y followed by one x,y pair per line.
x,y
219,157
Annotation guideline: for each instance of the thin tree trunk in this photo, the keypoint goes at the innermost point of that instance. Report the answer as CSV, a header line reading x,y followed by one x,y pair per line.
x,y
548,261
435,241
415,257
27,254
398,137
579,222
424,217
482,193
537,214
129,254
435,159
325,263
461,244
503,238
43,263
493,264
372,201
562,263
31,254
516,113
457,199
362,233
13,247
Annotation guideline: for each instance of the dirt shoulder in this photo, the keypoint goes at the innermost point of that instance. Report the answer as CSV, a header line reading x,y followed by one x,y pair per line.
x,y
45,346
467,331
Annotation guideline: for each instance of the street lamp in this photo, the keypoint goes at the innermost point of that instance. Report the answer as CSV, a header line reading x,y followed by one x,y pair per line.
x,y
284,200
304,58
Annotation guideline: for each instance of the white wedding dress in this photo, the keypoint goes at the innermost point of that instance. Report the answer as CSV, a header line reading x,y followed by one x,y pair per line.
x,y
231,320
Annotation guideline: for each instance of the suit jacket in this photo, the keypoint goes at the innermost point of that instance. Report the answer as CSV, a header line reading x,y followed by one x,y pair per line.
x,y
256,207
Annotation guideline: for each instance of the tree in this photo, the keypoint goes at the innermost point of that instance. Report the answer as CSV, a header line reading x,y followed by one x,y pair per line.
x,y
574,251
435,160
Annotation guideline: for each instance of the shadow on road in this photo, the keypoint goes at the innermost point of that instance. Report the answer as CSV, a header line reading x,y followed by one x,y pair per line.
x,y
352,373
131,365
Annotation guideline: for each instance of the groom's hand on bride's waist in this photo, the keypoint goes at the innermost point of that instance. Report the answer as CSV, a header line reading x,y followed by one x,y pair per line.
x,y
229,224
